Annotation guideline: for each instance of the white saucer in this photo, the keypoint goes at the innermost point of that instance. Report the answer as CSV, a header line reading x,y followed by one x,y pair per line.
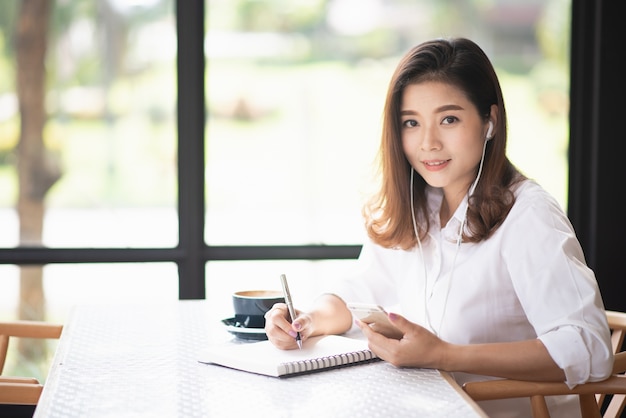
x,y
244,333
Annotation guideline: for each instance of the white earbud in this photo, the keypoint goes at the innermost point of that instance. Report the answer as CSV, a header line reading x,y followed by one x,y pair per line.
x,y
489,131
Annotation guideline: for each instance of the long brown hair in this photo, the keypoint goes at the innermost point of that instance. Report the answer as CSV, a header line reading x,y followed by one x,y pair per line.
x,y
463,64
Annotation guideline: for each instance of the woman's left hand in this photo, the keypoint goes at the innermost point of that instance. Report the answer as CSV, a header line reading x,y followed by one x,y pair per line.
x,y
418,347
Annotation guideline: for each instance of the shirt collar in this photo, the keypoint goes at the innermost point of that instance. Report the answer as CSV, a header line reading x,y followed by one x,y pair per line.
x,y
450,231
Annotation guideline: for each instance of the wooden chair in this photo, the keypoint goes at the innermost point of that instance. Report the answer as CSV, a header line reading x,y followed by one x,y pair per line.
x,y
591,395
22,390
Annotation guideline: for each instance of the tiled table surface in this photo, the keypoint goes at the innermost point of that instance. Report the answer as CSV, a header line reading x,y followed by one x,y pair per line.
x,y
141,361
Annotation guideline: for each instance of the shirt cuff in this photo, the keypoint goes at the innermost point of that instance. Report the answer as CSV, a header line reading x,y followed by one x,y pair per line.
x,y
569,352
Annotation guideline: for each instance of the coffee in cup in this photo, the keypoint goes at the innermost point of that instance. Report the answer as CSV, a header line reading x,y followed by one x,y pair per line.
x,y
251,305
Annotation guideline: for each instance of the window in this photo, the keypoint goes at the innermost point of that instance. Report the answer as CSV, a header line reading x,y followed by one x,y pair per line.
x,y
295,97
292,98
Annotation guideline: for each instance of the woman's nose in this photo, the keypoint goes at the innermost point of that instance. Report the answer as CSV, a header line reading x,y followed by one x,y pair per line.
x,y
430,140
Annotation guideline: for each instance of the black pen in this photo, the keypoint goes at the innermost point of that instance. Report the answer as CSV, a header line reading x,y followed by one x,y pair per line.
x,y
292,311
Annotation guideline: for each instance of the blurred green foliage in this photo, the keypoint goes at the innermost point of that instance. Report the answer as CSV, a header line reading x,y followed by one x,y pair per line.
x,y
138,102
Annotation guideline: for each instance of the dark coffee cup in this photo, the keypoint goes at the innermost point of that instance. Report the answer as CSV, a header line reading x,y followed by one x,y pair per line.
x,y
251,306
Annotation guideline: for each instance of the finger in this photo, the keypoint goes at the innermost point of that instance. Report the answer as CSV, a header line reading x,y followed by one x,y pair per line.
x,y
281,338
399,322
277,309
279,329
283,343
375,339
377,342
280,310
278,317
302,322
365,328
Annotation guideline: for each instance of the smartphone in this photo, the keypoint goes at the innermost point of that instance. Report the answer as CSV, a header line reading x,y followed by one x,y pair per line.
x,y
376,317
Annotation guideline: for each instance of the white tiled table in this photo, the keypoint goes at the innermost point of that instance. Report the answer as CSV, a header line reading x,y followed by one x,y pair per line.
x,y
141,361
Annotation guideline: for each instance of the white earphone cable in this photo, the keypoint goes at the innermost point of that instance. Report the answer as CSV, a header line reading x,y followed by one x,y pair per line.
x,y
459,240
421,251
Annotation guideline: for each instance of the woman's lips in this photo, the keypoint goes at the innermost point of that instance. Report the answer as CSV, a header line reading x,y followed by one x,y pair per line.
x,y
435,165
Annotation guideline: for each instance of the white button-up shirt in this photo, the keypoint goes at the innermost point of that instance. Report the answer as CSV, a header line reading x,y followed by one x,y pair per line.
x,y
529,280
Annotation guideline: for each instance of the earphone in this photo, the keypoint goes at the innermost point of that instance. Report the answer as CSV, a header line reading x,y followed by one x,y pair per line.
x,y
489,131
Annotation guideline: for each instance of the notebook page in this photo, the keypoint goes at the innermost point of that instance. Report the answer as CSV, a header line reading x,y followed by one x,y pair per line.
x,y
262,357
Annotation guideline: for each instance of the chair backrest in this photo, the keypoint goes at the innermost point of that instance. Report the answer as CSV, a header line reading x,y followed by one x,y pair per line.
x,y
22,390
617,323
592,396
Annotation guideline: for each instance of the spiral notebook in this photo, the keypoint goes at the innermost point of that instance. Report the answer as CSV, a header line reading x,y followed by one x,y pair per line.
x,y
317,354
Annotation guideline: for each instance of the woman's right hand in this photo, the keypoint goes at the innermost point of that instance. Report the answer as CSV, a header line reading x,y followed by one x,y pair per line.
x,y
329,315
281,331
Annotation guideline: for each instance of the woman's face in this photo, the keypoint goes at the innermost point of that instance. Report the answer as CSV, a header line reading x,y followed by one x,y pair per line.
x,y
442,135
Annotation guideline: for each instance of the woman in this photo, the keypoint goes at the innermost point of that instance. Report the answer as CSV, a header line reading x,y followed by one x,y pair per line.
x,y
483,264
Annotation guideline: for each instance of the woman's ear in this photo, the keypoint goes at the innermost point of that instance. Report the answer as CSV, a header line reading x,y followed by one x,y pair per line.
x,y
489,131
493,122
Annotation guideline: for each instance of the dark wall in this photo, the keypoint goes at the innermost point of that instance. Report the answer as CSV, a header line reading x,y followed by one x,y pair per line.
x,y
598,137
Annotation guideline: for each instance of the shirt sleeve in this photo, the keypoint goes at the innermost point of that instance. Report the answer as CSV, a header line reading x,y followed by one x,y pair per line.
x,y
571,349
558,291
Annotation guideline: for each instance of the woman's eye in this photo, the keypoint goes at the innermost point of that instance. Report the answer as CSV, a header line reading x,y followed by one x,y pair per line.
x,y
448,120
409,123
